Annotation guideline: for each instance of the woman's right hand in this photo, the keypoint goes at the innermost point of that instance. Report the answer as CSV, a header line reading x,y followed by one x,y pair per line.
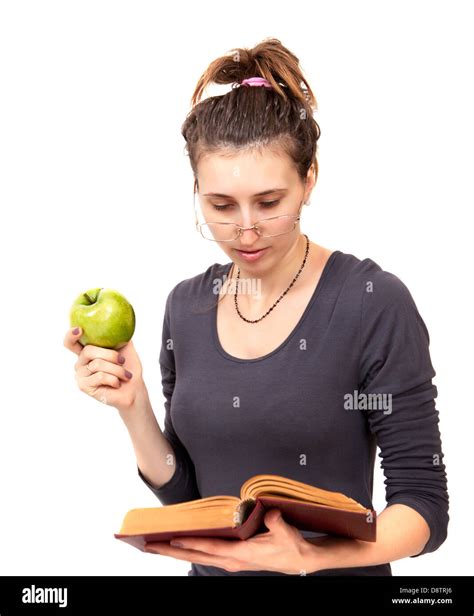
x,y
104,373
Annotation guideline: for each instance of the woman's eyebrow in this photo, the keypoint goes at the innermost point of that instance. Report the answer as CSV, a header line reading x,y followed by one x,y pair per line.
x,y
260,194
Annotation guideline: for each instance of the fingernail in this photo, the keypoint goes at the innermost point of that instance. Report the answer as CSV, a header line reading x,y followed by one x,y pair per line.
x,y
121,359
75,331
176,544
128,374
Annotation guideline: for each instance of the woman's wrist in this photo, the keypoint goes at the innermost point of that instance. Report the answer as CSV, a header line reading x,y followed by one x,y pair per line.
x,y
138,408
331,552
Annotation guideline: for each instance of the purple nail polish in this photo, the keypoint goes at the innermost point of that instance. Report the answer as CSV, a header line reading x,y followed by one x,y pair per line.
x,y
75,331
121,359
128,374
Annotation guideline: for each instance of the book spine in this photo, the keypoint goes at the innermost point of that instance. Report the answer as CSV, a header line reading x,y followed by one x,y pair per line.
x,y
243,511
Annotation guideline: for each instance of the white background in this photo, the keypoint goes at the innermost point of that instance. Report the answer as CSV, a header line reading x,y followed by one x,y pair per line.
x,y
96,190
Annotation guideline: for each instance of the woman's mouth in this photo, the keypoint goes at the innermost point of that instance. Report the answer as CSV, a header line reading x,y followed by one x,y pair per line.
x,y
251,255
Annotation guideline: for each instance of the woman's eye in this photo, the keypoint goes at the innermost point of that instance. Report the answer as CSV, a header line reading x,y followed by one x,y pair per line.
x,y
263,203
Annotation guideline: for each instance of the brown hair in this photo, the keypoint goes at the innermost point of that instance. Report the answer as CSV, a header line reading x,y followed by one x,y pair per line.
x,y
254,117
244,118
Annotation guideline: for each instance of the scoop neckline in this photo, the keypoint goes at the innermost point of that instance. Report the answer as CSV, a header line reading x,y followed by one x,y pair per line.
x,y
316,291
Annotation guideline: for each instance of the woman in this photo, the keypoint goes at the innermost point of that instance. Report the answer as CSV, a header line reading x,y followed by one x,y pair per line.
x,y
276,379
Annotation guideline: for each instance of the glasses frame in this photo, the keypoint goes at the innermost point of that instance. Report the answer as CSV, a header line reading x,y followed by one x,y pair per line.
x,y
241,229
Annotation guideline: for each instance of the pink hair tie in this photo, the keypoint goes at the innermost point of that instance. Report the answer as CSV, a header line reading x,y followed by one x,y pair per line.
x,y
256,81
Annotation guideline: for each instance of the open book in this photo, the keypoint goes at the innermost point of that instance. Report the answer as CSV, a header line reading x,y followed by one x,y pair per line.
x,y
303,506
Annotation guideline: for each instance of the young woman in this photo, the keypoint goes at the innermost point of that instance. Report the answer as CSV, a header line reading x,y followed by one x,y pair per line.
x,y
276,379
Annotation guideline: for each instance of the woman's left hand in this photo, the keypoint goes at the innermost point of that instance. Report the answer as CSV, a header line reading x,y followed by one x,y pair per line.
x,y
283,549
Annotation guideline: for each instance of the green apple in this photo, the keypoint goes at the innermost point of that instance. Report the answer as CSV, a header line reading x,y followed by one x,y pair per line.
x,y
106,318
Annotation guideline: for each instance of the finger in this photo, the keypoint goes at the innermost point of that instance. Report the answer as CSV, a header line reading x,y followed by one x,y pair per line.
x,y
97,381
71,340
100,365
217,547
90,352
191,556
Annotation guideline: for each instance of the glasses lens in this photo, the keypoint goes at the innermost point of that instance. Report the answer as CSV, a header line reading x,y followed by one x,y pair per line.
x,y
276,226
219,232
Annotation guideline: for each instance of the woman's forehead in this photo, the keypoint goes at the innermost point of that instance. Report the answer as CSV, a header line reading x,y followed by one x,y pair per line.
x,y
243,174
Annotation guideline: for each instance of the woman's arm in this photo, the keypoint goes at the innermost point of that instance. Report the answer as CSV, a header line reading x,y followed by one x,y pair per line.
x,y
401,532
154,453
395,361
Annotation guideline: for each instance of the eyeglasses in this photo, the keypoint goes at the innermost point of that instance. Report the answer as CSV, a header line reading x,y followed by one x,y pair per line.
x,y
230,231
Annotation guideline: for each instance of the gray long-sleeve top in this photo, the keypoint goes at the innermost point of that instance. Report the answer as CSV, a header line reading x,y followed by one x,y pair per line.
x,y
298,411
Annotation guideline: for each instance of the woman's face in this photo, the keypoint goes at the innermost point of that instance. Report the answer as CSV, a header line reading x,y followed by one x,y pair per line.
x,y
246,188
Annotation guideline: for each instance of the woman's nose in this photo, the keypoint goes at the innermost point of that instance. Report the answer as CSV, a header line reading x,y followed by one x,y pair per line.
x,y
248,238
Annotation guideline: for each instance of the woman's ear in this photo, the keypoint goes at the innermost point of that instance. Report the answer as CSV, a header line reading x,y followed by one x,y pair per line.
x,y
310,182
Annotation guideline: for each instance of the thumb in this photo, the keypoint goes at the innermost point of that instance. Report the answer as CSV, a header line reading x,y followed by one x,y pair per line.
x,y
71,340
273,520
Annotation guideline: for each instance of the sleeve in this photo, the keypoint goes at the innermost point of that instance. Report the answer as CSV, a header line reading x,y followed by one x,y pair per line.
x,y
182,485
395,361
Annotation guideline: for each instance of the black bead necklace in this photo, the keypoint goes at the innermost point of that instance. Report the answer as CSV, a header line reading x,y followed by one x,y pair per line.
x,y
281,296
